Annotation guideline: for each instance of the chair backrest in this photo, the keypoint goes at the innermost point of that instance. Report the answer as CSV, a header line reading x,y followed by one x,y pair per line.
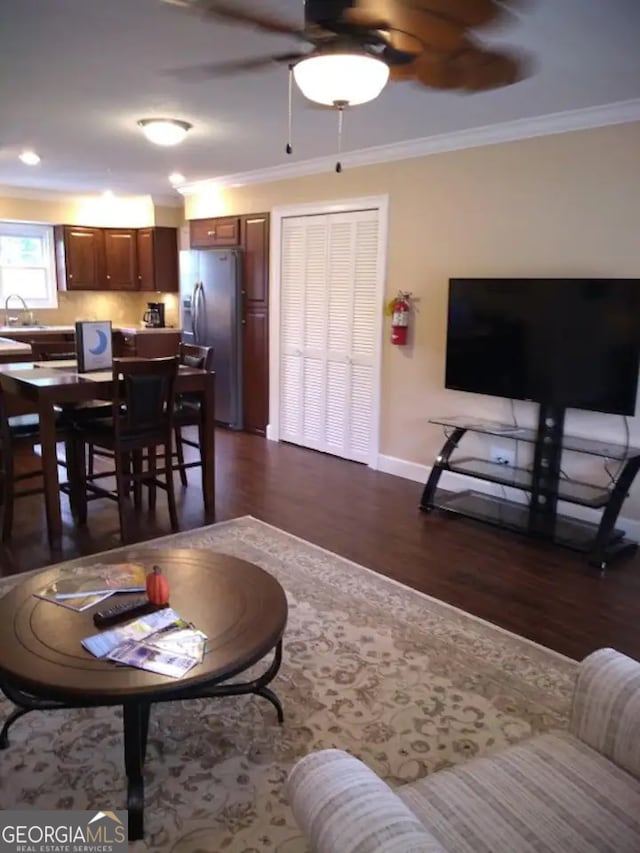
x,y
43,350
193,355
144,394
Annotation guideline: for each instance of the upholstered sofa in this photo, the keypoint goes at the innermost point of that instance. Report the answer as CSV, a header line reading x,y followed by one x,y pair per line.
x,y
575,791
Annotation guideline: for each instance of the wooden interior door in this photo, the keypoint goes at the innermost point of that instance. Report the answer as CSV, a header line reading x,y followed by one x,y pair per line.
x,y
255,320
121,259
83,266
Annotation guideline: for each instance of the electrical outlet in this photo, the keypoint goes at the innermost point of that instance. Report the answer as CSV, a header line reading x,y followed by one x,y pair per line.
x,y
503,455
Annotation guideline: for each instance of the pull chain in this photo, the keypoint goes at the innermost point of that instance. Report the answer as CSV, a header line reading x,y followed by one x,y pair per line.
x,y
289,148
340,106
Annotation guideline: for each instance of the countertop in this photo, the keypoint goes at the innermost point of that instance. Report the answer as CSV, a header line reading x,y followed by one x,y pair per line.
x,y
5,331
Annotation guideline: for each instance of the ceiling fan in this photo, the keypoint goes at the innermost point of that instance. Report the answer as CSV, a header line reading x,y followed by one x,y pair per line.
x,y
355,46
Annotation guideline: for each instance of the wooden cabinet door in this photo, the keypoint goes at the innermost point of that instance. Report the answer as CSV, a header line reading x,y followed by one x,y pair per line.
x,y
146,262
209,233
81,258
158,259
255,298
121,259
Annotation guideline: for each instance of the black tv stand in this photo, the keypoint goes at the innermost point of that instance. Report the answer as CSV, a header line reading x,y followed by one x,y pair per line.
x,y
544,483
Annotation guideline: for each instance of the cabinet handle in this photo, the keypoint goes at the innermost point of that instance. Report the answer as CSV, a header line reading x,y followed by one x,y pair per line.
x,y
211,233
140,277
70,275
108,276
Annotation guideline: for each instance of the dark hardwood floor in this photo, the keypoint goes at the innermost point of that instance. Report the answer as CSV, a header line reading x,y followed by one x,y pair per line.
x,y
545,593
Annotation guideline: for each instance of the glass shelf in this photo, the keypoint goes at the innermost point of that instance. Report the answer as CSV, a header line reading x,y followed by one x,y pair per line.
x,y
569,442
570,532
572,491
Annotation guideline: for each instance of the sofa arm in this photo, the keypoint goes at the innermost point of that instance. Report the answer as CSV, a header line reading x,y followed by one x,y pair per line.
x,y
606,707
341,805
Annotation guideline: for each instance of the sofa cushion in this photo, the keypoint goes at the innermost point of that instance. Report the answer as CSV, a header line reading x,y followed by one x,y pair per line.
x,y
551,793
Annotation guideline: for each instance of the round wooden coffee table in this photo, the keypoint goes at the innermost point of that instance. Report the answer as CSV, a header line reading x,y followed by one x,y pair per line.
x,y
241,608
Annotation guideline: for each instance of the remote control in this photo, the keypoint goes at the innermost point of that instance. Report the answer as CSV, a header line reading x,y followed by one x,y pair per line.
x,y
125,610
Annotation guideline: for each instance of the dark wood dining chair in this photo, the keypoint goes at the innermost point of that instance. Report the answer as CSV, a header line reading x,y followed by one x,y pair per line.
x,y
189,411
43,350
141,421
15,432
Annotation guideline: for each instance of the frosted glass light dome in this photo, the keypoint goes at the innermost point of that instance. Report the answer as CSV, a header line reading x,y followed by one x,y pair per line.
x,y
352,77
164,131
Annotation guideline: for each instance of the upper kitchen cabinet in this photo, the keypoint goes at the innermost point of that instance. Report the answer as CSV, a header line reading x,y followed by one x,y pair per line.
x,y
80,258
210,233
118,259
120,251
158,259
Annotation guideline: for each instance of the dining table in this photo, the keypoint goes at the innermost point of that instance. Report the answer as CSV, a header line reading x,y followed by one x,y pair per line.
x,y
40,387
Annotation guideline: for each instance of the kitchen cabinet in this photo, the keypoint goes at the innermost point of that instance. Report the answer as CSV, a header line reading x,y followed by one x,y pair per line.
x,y
213,233
255,308
117,259
80,257
121,266
158,259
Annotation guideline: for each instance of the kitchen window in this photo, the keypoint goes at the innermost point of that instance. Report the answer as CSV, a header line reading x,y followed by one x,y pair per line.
x,y
27,266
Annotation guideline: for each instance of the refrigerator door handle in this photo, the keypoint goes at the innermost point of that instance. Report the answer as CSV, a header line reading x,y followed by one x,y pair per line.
x,y
194,312
201,316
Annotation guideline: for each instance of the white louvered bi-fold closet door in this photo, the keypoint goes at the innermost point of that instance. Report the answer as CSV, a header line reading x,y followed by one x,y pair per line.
x,y
328,332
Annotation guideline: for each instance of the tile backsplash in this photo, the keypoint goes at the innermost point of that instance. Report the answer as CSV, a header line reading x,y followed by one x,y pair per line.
x,y
123,309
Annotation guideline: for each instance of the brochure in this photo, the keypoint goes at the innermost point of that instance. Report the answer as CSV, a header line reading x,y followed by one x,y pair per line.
x,y
98,579
146,657
78,603
102,644
160,642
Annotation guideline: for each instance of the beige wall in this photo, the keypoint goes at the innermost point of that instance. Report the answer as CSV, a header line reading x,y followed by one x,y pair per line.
x,y
119,212
563,205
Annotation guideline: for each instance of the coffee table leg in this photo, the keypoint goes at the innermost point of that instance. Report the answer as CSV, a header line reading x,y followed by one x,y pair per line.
x,y
136,725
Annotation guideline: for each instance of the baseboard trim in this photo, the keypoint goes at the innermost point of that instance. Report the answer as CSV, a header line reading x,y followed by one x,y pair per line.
x,y
271,433
459,482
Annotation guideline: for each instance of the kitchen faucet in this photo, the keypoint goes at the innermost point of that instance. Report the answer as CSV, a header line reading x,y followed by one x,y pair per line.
x,y
12,321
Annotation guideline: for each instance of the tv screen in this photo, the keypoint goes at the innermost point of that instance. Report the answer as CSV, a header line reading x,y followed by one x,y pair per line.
x,y
568,342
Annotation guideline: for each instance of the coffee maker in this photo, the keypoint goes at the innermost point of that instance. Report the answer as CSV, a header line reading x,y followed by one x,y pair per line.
x,y
154,315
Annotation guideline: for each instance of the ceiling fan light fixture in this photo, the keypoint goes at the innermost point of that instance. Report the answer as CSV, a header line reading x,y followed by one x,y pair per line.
x,y
164,131
351,77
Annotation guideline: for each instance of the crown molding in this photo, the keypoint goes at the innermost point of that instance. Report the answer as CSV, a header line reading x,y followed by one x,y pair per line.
x,y
620,112
61,196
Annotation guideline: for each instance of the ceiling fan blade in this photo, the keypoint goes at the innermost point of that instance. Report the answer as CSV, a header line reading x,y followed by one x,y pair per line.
x,y
484,70
233,66
433,31
467,13
229,11
434,71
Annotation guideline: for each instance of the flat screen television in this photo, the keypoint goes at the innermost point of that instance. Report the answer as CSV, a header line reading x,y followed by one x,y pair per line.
x,y
566,342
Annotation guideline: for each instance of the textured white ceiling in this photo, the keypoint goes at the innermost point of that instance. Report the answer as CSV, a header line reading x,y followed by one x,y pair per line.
x,y
75,75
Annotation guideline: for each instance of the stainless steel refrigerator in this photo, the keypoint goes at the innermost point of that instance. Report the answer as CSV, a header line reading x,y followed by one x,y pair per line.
x,y
211,295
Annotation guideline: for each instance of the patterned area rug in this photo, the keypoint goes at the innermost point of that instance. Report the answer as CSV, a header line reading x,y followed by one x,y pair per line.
x,y
403,681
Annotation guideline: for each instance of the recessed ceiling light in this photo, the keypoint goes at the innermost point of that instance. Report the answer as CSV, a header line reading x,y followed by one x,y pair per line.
x,y
164,131
30,158
175,178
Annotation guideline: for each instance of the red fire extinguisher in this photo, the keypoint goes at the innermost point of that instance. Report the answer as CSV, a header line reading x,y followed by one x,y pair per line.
x,y
399,308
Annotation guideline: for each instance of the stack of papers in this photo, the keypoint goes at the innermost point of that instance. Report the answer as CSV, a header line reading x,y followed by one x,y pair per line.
x,y
160,642
83,586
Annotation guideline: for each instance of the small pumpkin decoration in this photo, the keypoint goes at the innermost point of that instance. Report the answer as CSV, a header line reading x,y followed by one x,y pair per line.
x,y
157,587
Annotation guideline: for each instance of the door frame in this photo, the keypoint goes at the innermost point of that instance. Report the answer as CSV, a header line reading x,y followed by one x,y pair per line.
x,y
278,214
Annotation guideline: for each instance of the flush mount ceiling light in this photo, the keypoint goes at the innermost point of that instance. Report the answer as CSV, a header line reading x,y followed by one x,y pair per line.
x,y
348,77
164,131
29,158
175,179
